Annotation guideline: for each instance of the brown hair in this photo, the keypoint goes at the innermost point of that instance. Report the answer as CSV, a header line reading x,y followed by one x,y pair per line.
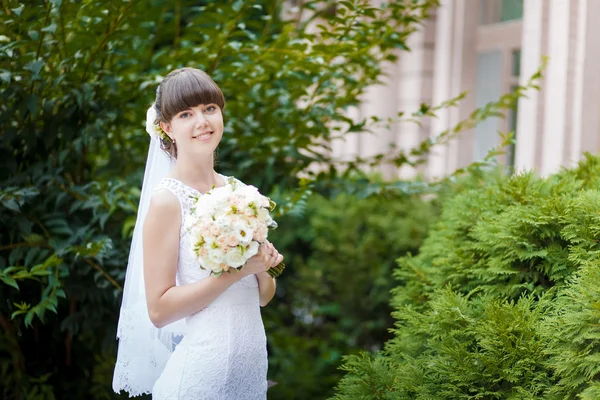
x,y
180,90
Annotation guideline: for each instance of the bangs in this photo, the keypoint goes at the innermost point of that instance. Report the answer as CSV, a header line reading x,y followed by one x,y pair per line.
x,y
186,89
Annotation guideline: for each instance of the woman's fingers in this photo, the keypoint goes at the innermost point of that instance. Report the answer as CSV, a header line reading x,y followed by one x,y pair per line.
x,y
270,255
266,250
262,248
266,256
277,259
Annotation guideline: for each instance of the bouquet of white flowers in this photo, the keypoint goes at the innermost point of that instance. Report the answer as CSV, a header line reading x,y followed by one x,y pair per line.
x,y
228,223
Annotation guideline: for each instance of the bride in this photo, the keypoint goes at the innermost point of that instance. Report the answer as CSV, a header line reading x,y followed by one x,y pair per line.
x,y
182,333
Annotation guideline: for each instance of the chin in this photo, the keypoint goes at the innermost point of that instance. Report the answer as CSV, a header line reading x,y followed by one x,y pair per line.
x,y
206,148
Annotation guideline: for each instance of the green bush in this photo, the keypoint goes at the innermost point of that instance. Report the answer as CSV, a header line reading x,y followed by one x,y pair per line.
x,y
501,302
76,78
336,291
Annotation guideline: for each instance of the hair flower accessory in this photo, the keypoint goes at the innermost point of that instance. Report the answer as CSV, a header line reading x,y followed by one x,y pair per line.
x,y
152,127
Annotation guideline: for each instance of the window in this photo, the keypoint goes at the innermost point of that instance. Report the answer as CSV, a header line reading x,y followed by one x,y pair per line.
x,y
497,73
516,64
495,11
499,37
488,88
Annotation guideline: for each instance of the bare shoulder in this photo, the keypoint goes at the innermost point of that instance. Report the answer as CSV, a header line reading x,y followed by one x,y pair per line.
x,y
164,200
164,208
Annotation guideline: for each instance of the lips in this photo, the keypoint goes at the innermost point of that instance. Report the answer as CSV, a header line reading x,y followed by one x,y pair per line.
x,y
204,136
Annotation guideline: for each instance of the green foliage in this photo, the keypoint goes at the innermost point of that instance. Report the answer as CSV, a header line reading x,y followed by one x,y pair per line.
x,y
575,352
76,78
502,300
336,297
483,348
502,237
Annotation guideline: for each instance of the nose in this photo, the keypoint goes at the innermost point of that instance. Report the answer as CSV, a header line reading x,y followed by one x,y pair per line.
x,y
200,119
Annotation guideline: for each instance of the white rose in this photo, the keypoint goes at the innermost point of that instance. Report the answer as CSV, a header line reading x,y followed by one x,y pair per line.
x,y
234,258
203,206
252,249
253,223
250,191
248,212
195,231
220,197
263,214
203,262
208,241
212,266
215,255
264,201
225,191
222,223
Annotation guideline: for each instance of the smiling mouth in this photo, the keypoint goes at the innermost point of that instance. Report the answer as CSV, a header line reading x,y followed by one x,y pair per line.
x,y
204,136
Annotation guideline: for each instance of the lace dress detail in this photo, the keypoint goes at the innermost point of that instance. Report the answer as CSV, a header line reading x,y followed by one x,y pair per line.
x,y
223,354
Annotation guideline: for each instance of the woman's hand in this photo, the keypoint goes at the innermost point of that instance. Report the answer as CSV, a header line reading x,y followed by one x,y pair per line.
x,y
266,258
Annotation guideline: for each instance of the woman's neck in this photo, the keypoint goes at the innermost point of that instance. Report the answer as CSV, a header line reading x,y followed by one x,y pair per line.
x,y
198,172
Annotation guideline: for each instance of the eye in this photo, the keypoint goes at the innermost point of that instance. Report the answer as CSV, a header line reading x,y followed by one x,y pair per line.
x,y
211,109
184,114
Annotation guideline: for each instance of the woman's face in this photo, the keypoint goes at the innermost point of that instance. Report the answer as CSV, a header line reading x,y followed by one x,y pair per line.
x,y
197,130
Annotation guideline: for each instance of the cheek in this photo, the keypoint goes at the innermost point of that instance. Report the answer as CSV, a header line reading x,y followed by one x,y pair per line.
x,y
177,126
216,120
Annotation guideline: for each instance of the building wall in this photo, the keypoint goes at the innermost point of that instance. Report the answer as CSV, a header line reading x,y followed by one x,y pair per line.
x,y
564,115
479,46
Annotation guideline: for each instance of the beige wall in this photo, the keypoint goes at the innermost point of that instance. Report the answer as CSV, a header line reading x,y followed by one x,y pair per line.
x,y
564,115
554,126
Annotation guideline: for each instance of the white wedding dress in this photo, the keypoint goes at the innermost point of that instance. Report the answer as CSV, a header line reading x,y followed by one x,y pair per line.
x,y
223,355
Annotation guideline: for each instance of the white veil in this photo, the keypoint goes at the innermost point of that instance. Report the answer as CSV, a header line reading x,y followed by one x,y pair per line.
x,y
143,348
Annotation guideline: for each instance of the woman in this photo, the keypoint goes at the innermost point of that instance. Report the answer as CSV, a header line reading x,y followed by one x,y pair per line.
x,y
223,352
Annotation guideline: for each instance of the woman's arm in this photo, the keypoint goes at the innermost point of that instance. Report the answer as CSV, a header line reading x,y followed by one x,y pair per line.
x,y
166,301
266,288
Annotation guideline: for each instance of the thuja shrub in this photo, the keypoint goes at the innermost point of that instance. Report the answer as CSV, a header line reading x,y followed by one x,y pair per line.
x,y
574,332
502,301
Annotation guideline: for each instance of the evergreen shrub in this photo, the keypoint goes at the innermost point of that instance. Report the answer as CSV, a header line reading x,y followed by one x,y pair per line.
x,y
502,301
